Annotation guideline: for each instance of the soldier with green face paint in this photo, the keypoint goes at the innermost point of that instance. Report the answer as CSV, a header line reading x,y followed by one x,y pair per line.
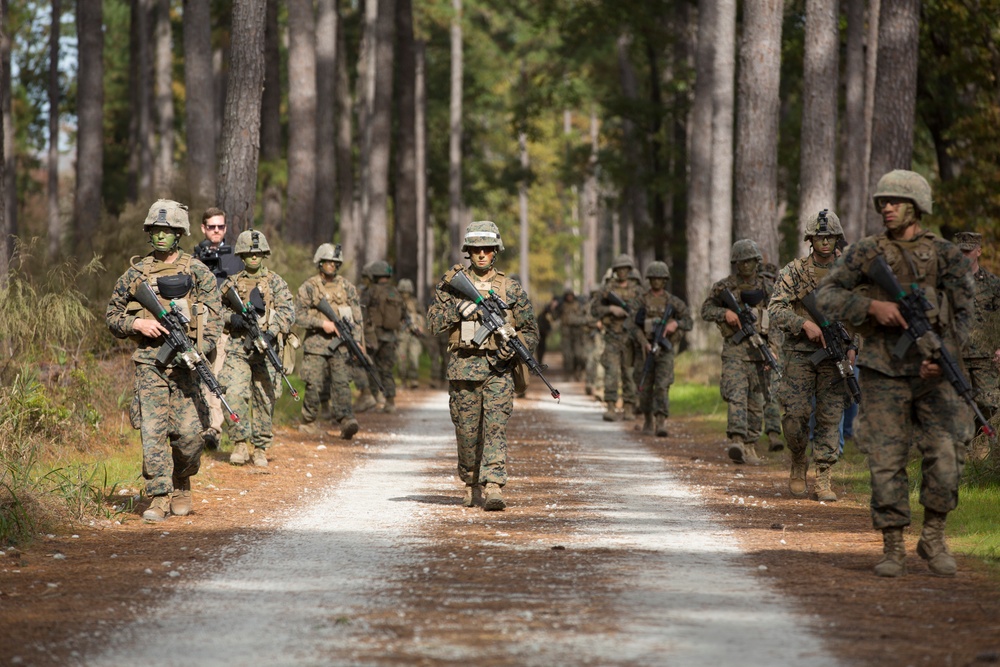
x,y
168,408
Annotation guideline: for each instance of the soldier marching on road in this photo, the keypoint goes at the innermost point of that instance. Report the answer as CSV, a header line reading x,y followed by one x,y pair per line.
x,y
383,307
612,305
411,335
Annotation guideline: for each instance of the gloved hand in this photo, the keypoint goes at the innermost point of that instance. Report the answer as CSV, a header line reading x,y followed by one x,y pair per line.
x,y
271,339
237,322
506,352
466,309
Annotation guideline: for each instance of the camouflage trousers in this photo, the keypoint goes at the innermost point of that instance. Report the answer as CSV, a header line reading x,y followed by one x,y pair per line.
x,y
437,350
319,373
618,359
574,352
772,409
898,414
216,359
801,382
408,356
384,361
743,392
985,380
251,382
655,394
169,410
480,411
595,370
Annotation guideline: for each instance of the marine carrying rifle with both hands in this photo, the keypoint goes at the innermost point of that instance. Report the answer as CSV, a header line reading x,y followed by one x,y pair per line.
x,y
838,342
345,331
255,338
749,332
659,342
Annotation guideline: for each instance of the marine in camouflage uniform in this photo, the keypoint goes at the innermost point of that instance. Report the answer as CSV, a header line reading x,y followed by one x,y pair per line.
x,y
383,307
168,407
573,322
907,401
980,357
411,335
618,358
745,375
325,356
807,386
481,386
772,409
368,396
654,396
251,379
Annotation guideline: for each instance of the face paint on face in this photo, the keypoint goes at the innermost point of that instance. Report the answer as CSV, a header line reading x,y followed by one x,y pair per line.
x,y
657,283
163,239
621,273
824,247
746,268
253,261
329,268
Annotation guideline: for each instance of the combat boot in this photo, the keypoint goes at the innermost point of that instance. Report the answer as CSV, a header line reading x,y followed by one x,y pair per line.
x,y
824,492
158,510
493,500
750,454
379,401
348,427
629,412
774,443
797,480
737,452
473,495
365,401
932,547
647,422
390,405
308,428
259,457
241,453
211,440
661,426
610,414
893,563
180,499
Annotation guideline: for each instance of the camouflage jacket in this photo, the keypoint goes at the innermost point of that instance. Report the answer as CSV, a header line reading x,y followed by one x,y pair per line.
x,y
202,304
279,307
573,315
382,305
464,362
943,272
342,297
713,310
983,339
652,305
600,308
797,279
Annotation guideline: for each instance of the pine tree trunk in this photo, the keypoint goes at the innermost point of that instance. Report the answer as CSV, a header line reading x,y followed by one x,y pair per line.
x,y
90,125
270,110
376,226
723,81
524,241
455,207
636,201
199,103
326,115
345,161
164,99
8,189
237,182
404,200
55,230
425,255
852,203
300,221
141,124
591,211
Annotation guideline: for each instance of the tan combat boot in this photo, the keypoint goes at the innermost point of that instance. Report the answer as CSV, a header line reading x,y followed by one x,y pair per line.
x,y
180,499
774,443
824,492
628,413
390,405
647,422
750,454
259,457
241,453
797,480
158,510
365,401
661,426
737,452
348,427
473,495
893,563
610,414
932,547
493,500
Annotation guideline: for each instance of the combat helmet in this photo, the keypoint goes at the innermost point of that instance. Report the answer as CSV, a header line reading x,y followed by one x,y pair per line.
x,y
405,286
906,185
482,233
657,270
623,261
824,223
168,213
251,241
379,268
745,249
328,252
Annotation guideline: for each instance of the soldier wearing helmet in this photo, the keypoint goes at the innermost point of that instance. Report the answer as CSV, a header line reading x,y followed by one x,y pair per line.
x,y
168,407
745,381
612,305
906,402
661,320
325,366
214,252
382,305
573,322
481,379
806,384
411,335
252,381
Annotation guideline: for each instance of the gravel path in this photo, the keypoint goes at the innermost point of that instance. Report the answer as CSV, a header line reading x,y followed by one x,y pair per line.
x,y
375,571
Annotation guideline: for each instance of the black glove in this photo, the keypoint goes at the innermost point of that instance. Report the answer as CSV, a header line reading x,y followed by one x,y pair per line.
x,y
272,340
237,322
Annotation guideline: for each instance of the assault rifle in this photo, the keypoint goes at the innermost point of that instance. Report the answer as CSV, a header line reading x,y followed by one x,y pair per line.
x,y
491,313
345,331
658,342
913,307
255,338
749,332
837,343
177,343
615,300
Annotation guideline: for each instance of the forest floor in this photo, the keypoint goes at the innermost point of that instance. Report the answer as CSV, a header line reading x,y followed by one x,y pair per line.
x,y
616,548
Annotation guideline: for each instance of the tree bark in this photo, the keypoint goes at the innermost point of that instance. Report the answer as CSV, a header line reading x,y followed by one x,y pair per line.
x,y
376,225
300,222
723,82
365,100
757,126
164,99
326,113
455,207
349,227
591,206
141,125
425,255
270,110
404,200
55,230
524,240
237,182
5,236
199,102
896,98
636,201
90,125
852,203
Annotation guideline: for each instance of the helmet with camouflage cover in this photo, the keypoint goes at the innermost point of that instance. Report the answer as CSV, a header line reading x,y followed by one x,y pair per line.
x,y
379,268
328,252
168,213
405,286
745,249
482,233
623,261
251,241
905,185
824,223
657,270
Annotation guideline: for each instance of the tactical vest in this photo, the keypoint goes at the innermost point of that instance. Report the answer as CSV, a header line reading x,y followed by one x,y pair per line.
x,y
335,292
246,284
913,261
656,305
627,292
763,324
461,336
809,275
388,307
168,277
